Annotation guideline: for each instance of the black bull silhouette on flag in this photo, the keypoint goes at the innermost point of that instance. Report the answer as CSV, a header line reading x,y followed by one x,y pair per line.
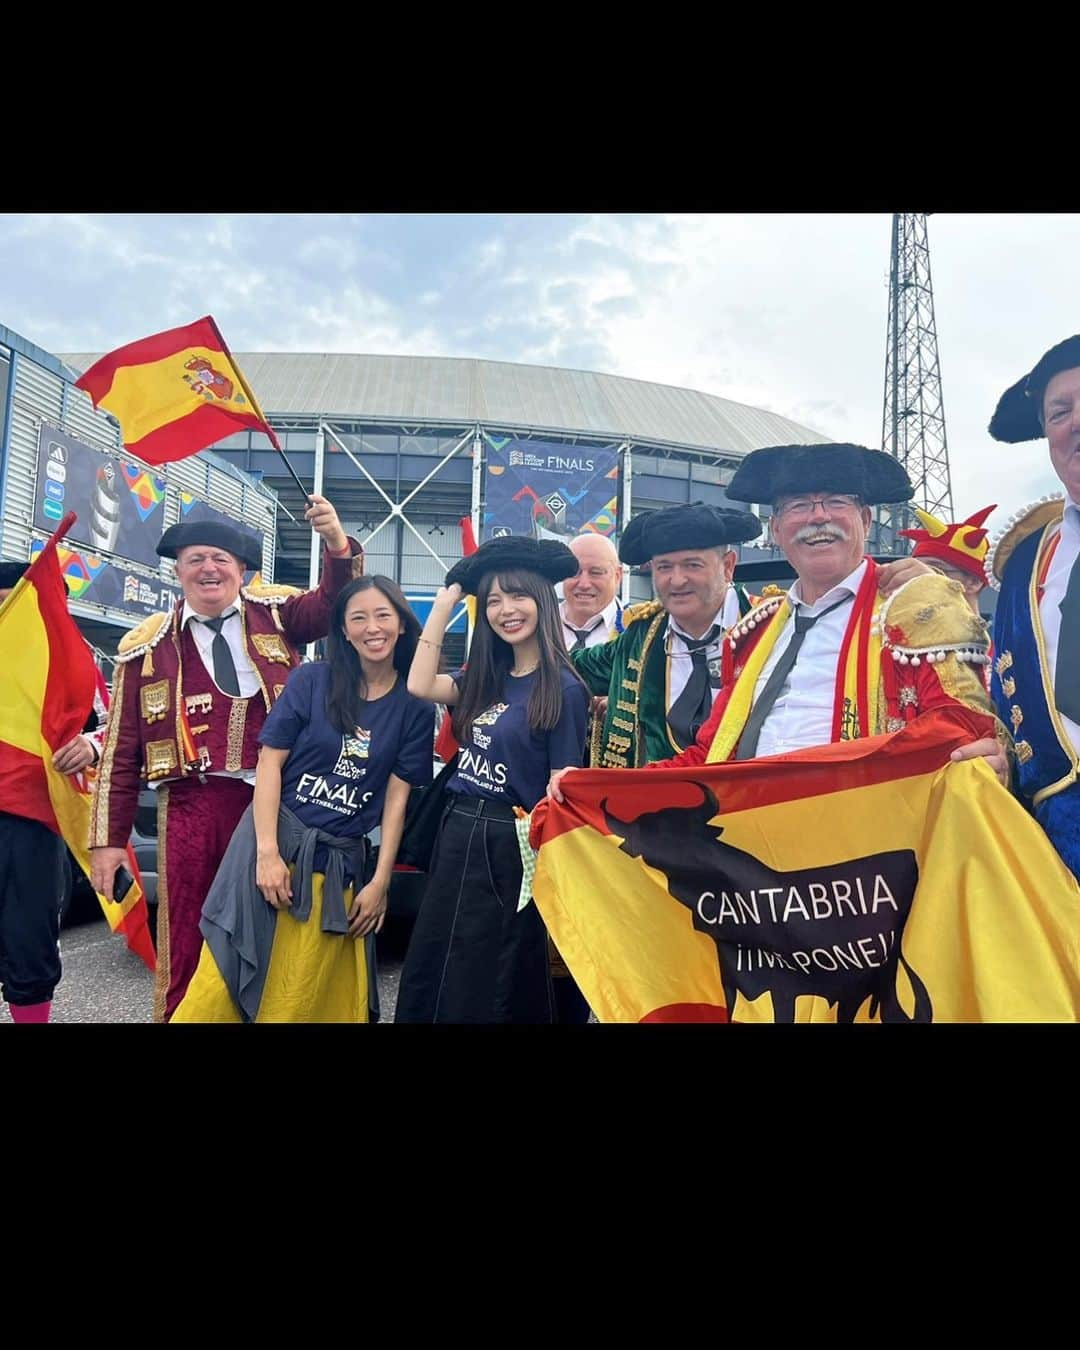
x,y
832,931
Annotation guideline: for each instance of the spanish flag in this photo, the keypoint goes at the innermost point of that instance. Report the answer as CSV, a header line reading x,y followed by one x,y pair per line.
x,y
864,881
175,393
45,699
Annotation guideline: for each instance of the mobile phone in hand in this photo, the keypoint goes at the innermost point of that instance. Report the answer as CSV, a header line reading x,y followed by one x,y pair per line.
x,y
122,883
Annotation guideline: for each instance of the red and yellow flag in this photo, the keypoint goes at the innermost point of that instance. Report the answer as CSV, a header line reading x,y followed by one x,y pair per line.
x,y
865,881
46,694
175,393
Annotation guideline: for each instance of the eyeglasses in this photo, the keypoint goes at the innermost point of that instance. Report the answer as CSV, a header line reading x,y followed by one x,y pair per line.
x,y
799,507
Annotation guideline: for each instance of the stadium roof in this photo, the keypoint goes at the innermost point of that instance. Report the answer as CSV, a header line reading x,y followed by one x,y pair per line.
x,y
453,390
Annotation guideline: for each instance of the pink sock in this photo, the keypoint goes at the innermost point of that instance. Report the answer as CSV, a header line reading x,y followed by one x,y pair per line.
x,y
30,1012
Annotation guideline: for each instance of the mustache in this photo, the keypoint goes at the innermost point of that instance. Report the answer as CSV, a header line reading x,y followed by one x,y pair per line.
x,y
831,531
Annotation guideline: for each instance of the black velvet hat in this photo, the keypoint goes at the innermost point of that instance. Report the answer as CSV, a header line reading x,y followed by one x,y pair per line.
x,y
682,527
513,553
784,470
1016,417
211,534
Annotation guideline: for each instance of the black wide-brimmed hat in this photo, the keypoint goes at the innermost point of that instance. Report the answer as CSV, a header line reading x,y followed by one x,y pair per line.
x,y
513,553
683,527
1016,417
211,534
783,470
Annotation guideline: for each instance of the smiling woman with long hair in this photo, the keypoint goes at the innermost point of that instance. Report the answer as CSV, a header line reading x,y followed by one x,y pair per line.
x,y
520,711
290,921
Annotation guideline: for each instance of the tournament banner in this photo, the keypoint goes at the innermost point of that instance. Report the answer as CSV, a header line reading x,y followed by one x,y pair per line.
x,y
192,509
119,504
864,881
549,490
101,581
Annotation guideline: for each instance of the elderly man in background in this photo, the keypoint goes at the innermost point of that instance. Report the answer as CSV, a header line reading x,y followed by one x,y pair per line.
x,y
591,612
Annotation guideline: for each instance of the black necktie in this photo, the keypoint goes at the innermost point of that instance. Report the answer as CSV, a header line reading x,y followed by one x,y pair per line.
x,y
1067,670
761,709
690,711
224,667
582,637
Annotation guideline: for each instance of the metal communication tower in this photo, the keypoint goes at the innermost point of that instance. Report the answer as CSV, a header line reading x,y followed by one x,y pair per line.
x,y
913,424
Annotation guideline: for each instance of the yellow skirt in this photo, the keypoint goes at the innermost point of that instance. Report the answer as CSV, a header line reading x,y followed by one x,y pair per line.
x,y
313,976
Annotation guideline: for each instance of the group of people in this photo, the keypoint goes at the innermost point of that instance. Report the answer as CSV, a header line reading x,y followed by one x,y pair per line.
x,y
272,774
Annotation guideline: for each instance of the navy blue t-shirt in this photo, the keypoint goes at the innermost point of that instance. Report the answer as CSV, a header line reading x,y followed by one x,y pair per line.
x,y
338,783
508,761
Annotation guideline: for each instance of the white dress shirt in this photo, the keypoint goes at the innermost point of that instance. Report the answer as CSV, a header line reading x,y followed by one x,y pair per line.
x,y
600,626
232,632
246,677
803,712
680,662
1057,582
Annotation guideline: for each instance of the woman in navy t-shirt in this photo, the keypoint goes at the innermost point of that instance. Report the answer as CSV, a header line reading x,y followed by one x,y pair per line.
x,y
340,750
520,711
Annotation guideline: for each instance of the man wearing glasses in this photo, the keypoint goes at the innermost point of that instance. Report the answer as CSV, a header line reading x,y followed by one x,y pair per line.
x,y
853,649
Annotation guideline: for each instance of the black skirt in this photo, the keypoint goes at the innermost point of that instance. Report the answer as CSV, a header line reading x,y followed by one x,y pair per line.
x,y
473,957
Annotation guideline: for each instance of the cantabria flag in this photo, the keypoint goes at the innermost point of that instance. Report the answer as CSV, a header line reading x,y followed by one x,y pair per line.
x,y
866,881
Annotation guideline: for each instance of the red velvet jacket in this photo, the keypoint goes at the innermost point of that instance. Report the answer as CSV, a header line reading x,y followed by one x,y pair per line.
x,y
162,683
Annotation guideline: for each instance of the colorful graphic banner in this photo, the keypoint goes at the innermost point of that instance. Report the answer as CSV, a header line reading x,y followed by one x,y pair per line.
x,y
100,581
549,490
120,505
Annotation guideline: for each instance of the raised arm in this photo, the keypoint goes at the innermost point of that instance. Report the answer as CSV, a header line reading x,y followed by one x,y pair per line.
x,y
424,678
306,617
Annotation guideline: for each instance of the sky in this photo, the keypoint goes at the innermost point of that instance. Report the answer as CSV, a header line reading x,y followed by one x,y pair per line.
x,y
784,312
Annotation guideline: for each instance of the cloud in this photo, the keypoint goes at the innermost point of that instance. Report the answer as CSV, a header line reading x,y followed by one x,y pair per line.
x,y
784,312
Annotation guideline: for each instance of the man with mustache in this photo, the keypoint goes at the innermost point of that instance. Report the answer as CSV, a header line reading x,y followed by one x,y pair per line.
x,y
852,650
1036,564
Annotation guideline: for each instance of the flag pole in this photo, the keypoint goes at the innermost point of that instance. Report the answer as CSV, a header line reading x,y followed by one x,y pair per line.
x,y
255,404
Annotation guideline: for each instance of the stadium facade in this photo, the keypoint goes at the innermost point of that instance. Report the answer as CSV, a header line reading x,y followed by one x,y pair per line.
x,y
405,447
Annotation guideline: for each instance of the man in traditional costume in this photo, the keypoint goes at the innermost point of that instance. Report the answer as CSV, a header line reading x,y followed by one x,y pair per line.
x,y
662,673
191,693
1036,671
846,653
